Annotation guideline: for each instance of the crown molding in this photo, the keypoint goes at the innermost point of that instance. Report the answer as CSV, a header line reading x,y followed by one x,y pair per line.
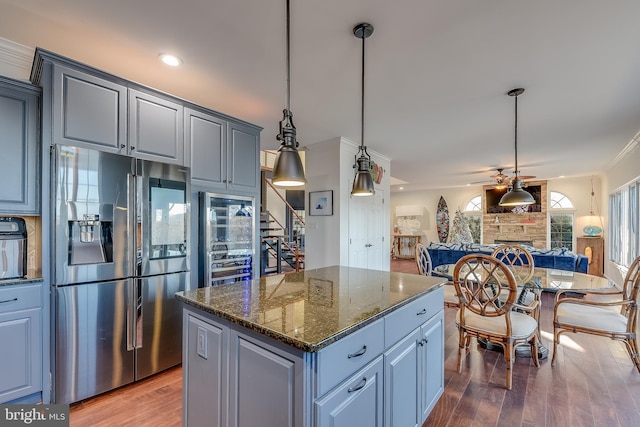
x,y
625,151
15,59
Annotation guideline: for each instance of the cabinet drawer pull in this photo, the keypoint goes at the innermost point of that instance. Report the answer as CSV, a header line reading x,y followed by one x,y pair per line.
x,y
420,313
360,352
9,300
359,386
122,145
423,342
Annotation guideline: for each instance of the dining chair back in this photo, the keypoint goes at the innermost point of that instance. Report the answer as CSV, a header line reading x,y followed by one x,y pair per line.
x,y
518,259
423,260
596,316
487,291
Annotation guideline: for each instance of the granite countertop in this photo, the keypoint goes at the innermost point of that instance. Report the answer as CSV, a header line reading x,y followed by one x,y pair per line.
x,y
313,308
29,278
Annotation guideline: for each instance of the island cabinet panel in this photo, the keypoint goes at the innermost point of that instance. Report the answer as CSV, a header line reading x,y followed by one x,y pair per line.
x,y
19,144
205,365
402,384
263,379
89,111
155,128
20,335
430,362
357,401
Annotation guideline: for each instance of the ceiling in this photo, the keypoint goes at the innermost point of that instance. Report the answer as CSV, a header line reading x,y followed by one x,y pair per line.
x,y
437,73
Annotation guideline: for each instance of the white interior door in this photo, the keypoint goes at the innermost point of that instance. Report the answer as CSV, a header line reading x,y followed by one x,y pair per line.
x,y
367,231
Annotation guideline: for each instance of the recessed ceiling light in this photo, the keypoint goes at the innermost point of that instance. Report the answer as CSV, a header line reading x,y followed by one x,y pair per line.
x,y
401,188
561,176
171,60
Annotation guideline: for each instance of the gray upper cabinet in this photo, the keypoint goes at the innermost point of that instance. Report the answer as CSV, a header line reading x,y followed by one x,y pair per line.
x,y
19,145
206,137
224,153
89,111
155,128
93,109
243,162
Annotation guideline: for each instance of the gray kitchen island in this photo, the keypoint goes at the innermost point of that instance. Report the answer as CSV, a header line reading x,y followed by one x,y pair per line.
x,y
335,346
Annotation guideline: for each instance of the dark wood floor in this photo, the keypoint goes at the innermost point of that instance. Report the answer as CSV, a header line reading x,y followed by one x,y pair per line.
x,y
592,384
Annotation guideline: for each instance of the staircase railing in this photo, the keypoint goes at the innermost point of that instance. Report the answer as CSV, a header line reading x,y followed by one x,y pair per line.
x,y
277,247
293,211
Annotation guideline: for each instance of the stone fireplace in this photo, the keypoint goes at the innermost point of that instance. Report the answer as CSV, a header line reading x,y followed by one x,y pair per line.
x,y
523,228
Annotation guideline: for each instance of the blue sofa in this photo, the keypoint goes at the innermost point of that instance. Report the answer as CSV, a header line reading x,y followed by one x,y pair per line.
x,y
559,259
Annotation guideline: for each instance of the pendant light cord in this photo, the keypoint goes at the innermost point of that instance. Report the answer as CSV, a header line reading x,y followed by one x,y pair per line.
x,y
516,135
362,98
288,101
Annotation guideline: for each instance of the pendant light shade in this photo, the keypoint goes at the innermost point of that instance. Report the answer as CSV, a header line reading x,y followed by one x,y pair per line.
x,y
287,167
517,196
363,181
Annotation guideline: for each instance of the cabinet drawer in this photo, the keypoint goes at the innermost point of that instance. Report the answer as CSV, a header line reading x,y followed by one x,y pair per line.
x,y
14,298
349,354
405,319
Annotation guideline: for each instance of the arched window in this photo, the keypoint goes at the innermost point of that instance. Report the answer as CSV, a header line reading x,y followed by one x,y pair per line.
x,y
473,213
474,205
561,221
559,201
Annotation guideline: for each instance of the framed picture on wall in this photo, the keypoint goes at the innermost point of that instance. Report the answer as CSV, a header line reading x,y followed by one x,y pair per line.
x,y
321,203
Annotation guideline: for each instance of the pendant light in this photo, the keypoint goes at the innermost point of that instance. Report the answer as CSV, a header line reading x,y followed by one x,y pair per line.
x,y
517,196
363,181
287,167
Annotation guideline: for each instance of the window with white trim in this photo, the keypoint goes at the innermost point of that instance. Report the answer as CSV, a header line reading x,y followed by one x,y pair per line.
x,y
560,221
624,224
473,213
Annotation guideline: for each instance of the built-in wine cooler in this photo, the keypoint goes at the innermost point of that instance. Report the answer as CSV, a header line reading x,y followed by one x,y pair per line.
x,y
227,241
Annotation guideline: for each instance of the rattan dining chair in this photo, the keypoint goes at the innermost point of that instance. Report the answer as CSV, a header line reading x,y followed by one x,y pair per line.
x,y
596,316
425,267
520,262
487,292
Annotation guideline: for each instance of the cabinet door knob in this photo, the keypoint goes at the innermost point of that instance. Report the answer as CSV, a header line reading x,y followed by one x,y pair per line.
x,y
359,386
133,148
122,145
360,352
224,180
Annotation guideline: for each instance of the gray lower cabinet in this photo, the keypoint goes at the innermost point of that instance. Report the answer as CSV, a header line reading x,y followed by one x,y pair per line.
x,y
223,153
20,147
387,373
358,401
413,383
21,338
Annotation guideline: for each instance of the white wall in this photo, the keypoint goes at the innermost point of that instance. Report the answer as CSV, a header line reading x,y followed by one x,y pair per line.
x,y
329,166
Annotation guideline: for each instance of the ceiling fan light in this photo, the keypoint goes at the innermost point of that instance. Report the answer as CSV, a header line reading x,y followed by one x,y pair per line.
x,y
517,196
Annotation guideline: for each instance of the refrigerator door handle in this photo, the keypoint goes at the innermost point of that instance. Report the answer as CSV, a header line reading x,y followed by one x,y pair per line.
x,y
139,311
131,315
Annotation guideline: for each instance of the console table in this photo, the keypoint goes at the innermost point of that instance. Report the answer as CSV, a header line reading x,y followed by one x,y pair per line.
x,y
404,245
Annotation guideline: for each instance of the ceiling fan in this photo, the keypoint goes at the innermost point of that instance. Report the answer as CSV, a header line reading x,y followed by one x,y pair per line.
x,y
502,181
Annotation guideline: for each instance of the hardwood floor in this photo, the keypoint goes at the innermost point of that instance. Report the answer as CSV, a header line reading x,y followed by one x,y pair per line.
x,y
593,384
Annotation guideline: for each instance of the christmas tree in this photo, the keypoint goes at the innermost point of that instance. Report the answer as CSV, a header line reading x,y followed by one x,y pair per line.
x,y
460,231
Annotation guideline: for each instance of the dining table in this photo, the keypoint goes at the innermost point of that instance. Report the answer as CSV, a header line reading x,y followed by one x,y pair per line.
x,y
545,280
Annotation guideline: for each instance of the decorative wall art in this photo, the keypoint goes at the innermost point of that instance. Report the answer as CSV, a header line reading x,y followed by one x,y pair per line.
x,y
442,220
321,203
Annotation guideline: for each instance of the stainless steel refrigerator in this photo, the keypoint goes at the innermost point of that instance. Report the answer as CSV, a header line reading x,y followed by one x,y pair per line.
x,y
120,254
